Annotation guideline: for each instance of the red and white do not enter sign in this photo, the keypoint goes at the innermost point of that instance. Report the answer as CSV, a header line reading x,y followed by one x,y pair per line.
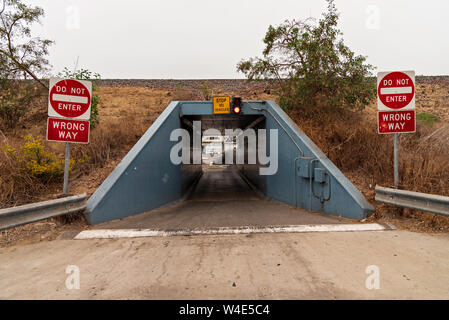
x,y
396,90
69,98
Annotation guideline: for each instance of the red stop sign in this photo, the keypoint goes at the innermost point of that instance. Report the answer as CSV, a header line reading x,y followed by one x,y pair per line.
x,y
69,98
396,90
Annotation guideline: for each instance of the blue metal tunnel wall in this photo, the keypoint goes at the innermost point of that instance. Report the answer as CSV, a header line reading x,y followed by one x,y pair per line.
x,y
306,178
147,179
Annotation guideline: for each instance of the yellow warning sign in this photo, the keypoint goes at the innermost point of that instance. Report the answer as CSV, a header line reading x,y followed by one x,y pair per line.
x,y
222,105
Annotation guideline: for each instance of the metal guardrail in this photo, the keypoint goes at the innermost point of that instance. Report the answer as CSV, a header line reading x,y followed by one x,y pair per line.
x,y
413,200
16,216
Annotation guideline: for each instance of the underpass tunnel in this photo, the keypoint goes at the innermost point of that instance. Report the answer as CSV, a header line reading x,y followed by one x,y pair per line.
x,y
221,137
283,166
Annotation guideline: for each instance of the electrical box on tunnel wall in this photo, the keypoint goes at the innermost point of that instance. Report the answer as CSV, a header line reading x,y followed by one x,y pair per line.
x,y
303,166
319,175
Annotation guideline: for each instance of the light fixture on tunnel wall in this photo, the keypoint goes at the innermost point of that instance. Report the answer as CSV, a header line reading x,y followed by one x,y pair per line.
x,y
236,105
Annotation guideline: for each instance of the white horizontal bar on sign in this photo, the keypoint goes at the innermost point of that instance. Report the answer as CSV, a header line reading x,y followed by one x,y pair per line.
x,y
69,98
396,90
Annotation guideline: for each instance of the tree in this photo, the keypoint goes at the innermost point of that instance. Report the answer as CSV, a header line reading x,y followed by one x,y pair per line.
x,y
22,55
312,66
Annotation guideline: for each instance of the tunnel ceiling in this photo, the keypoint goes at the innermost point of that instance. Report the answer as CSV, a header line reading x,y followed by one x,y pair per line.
x,y
222,122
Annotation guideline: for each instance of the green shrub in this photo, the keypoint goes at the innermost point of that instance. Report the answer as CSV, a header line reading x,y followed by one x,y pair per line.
x,y
34,160
206,91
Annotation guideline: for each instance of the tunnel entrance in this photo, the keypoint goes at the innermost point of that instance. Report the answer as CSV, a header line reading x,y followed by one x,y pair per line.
x,y
157,173
219,135
221,179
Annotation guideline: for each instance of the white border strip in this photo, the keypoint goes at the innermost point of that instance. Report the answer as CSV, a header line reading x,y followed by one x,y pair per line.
x,y
137,233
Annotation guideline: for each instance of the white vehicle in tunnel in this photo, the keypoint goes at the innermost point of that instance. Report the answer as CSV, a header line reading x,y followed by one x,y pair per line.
x,y
212,149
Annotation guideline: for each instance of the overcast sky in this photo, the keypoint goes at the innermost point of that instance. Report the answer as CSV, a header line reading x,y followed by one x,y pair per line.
x,y
194,39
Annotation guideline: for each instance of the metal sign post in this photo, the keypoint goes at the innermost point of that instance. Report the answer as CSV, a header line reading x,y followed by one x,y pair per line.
x,y
396,161
65,189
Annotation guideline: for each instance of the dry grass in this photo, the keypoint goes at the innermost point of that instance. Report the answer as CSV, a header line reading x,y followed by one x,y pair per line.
x,y
351,141
184,94
16,186
107,142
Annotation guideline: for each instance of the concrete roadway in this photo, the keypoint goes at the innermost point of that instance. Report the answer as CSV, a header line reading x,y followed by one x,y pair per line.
x,y
257,266
221,199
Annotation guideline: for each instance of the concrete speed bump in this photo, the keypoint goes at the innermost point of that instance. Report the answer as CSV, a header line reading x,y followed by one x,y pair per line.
x,y
138,233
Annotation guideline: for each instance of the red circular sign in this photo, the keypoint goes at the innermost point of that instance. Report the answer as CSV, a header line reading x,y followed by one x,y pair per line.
x,y
396,90
70,98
